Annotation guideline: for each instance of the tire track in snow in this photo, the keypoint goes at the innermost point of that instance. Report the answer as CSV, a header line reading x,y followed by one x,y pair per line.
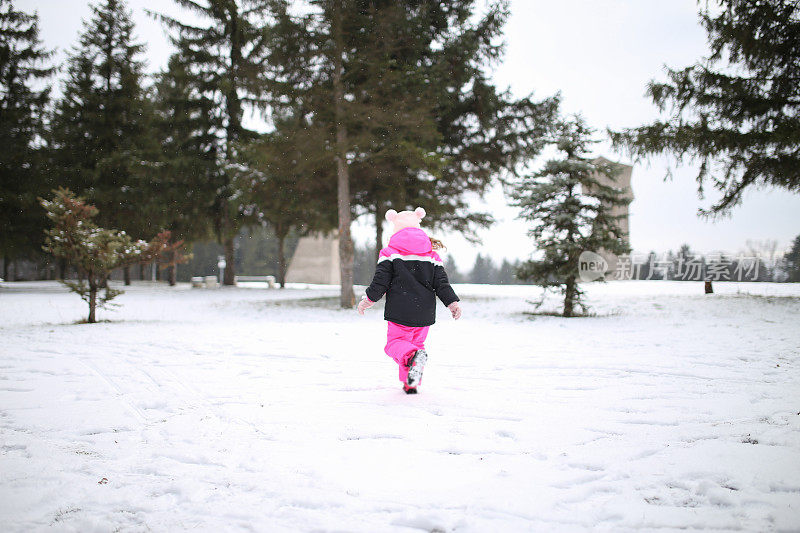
x,y
133,409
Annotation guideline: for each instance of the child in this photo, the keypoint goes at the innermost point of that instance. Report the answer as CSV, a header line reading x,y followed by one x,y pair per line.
x,y
411,275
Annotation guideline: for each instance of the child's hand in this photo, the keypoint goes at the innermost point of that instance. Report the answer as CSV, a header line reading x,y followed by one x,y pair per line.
x,y
455,310
364,304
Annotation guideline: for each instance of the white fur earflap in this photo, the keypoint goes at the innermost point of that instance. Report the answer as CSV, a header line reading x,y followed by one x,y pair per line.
x,y
420,212
391,214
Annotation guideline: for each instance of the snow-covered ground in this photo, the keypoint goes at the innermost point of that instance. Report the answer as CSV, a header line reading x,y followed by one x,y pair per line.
x,y
266,410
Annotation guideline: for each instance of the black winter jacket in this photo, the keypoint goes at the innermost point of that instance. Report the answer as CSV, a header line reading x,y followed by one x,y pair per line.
x,y
411,275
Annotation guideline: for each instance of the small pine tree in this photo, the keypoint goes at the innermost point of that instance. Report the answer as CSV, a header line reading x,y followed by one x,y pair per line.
x,y
571,212
92,250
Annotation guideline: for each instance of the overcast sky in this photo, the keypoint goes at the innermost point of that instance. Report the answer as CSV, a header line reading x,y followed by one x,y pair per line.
x,y
600,56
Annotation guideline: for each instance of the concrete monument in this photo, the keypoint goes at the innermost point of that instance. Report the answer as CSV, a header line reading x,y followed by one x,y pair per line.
x,y
621,181
316,260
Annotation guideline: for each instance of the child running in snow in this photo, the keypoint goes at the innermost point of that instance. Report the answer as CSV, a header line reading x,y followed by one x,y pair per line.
x,y
412,275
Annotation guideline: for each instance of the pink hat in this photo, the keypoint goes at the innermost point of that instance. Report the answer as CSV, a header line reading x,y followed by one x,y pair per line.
x,y
405,219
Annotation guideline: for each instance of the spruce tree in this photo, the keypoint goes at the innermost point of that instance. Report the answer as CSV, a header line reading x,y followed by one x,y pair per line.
x,y
485,133
439,128
452,270
505,274
103,147
282,190
94,251
310,58
393,131
570,212
482,270
23,99
226,54
737,111
401,91
186,174
792,260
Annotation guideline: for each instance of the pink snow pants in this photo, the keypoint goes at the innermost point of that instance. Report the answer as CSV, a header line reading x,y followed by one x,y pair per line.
x,y
402,342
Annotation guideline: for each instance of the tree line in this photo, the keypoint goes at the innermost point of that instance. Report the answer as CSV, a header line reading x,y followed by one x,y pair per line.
x,y
369,104
760,262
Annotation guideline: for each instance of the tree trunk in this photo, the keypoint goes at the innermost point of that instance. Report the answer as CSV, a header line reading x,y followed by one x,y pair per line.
x,y
92,299
708,288
157,271
569,297
62,268
126,274
5,268
281,259
172,270
233,131
141,272
347,298
230,257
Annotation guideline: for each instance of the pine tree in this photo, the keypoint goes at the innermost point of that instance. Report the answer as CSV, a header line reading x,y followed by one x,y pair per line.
x,y
401,91
452,270
23,67
333,11
485,133
792,259
462,132
737,111
310,58
393,131
92,250
482,270
226,55
505,274
283,191
684,254
257,246
649,270
571,212
184,179
103,145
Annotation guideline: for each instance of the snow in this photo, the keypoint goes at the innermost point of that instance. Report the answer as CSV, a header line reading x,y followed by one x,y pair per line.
x,y
250,409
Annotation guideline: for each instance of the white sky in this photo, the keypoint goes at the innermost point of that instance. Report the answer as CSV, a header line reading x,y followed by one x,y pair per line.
x,y
600,56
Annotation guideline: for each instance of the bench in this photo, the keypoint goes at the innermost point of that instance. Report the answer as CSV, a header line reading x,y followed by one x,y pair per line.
x,y
269,280
207,282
